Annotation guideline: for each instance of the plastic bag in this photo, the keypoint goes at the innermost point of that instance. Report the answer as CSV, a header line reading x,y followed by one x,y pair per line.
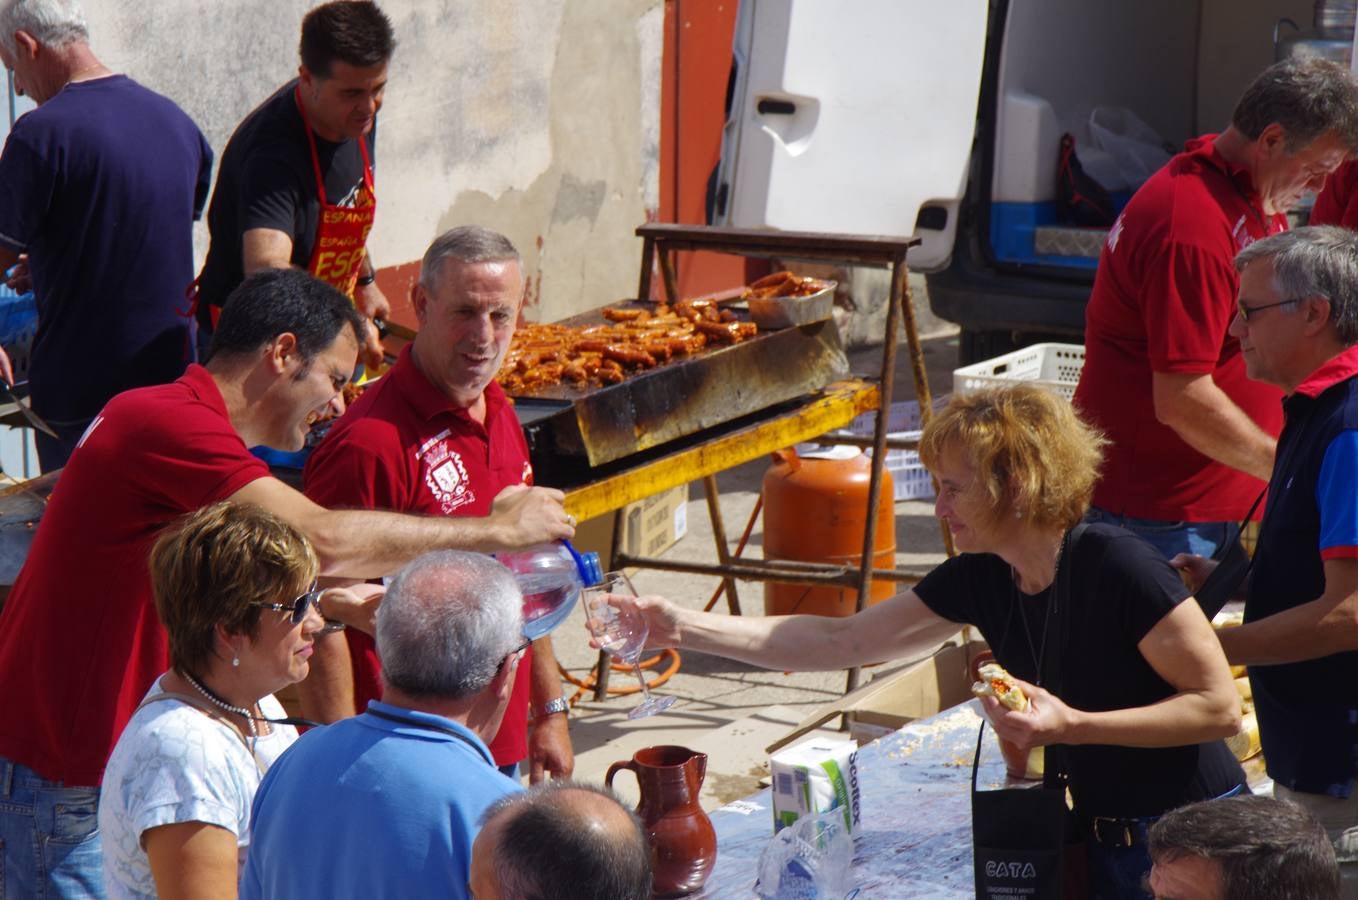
x,y
1137,148
808,860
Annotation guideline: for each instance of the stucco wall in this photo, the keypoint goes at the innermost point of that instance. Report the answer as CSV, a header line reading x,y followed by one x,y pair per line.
x,y
536,117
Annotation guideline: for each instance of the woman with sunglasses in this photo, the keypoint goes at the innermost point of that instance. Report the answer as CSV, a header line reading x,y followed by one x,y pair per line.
x,y
235,589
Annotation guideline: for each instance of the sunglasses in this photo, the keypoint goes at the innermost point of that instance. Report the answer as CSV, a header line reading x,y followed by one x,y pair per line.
x,y
298,607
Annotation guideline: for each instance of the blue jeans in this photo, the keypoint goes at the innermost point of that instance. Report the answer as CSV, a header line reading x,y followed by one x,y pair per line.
x,y
49,837
1170,538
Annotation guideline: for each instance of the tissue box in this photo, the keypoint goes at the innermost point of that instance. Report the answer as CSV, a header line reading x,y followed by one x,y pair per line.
x,y
813,777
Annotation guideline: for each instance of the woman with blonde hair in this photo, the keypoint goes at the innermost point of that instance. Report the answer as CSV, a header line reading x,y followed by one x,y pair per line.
x,y
1146,694
235,589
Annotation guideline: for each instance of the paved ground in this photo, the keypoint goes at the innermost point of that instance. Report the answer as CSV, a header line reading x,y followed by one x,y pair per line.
x,y
729,710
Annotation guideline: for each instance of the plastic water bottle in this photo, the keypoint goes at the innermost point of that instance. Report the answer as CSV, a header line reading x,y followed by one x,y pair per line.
x,y
551,577
808,860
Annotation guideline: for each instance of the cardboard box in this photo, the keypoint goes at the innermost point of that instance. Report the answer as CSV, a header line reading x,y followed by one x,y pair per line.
x,y
650,527
885,704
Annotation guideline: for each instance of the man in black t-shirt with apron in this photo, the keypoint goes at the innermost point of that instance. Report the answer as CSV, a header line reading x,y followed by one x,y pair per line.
x,y
295,186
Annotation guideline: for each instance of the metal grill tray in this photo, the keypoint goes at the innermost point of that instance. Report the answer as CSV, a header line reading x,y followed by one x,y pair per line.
x,y
688,393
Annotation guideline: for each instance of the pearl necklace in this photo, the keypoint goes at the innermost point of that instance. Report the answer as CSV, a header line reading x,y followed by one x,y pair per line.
x,y
222,704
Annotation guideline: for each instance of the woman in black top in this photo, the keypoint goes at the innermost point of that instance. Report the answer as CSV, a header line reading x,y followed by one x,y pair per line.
x,y
1146,694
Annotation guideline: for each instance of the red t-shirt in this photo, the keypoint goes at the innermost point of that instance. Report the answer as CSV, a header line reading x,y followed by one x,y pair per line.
x,y
1337,202
1163,297
405,447
80,642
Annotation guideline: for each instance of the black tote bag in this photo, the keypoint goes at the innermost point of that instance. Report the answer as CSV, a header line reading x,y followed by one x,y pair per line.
x,y
1024,840
1018,839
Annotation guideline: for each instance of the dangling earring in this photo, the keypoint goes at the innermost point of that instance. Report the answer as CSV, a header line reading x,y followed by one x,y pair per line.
x,y
235,661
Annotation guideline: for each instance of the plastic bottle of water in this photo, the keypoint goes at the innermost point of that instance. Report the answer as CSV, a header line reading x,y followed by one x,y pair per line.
x,y
551,577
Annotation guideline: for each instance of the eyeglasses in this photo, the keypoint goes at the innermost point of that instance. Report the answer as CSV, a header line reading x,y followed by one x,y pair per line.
x,y
298,607
511,654
1247,312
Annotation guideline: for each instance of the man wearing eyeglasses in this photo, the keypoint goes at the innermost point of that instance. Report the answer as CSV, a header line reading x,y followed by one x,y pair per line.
x,y
388,803
1297,324
1191,436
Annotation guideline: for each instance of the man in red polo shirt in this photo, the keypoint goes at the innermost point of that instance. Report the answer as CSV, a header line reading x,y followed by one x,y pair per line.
x,y
438,437
1192,437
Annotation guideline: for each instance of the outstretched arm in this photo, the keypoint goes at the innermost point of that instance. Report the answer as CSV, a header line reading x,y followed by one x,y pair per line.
x,y
370,543
893,629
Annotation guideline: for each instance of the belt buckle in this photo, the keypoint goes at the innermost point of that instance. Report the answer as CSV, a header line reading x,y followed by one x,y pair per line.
x,y
1121,824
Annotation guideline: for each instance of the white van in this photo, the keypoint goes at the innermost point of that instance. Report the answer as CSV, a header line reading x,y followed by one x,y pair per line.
x,y
943,118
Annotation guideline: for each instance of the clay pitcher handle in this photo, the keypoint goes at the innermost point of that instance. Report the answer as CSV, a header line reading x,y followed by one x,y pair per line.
x,y
613,770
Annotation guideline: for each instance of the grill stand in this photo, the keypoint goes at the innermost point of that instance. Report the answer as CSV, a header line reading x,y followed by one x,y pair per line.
x,y
662,239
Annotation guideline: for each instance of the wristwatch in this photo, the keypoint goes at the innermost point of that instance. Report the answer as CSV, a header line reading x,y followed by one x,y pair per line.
x,y
551,708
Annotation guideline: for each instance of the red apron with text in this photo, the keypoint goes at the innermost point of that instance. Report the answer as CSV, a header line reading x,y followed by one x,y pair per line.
x,y
342,233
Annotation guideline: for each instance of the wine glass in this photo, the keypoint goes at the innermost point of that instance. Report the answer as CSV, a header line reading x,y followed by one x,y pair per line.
x,y
622,633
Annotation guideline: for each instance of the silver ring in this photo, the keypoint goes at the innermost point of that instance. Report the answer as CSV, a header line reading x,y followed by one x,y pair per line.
x,y
570,520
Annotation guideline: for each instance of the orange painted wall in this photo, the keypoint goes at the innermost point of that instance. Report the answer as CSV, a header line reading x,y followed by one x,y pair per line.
x,y
694,71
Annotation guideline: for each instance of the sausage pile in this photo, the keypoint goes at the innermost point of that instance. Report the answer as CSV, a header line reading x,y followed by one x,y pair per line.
x,y
783,284
631,340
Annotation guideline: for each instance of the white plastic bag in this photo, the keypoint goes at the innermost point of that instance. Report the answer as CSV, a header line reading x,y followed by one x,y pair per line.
x,y
808,860
1137,148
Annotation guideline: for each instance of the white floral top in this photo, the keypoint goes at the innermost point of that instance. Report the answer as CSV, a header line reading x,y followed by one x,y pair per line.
x,y
175,764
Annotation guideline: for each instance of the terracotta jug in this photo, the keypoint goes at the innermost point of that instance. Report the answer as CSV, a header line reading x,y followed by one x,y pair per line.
x,y
683,843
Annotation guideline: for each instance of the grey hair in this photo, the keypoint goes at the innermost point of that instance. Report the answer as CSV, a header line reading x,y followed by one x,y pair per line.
x,y
468,244
1315,261
446,623
1307,97
52,23
563,840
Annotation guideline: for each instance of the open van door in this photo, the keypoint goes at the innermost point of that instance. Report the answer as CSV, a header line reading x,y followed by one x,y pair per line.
x,y
853,118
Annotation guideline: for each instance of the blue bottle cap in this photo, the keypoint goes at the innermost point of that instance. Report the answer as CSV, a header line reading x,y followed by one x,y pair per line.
x,y
586,565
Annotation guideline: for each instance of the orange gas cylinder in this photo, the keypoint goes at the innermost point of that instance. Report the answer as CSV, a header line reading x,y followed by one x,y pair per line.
x,y
815,508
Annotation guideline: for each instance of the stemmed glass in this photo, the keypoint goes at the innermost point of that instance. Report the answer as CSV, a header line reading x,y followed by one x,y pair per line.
x,y
622,633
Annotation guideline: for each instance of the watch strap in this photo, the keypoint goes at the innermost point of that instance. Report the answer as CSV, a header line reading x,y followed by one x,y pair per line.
x,y
551,708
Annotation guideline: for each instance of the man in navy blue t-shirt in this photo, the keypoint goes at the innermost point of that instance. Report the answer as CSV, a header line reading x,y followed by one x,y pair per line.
x,y
99,187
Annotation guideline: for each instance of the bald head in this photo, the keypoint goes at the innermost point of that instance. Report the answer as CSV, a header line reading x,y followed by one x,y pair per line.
x,y
560,841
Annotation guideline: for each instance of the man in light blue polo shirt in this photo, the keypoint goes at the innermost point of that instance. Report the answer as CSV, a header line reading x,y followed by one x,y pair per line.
x,y
387,804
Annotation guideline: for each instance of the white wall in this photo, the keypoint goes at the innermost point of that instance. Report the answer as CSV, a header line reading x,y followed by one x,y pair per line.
x,y
536,117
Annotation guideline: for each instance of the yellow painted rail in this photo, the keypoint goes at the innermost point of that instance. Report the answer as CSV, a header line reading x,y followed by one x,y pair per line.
x,y
833,408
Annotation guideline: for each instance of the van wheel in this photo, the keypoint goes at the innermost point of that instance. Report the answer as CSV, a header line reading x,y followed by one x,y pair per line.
x,y
974,346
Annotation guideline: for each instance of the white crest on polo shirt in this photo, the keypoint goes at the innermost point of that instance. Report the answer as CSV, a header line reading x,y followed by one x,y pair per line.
x,y
444,474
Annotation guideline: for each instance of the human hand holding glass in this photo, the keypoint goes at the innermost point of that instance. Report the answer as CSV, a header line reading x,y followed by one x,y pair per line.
x,y
622,631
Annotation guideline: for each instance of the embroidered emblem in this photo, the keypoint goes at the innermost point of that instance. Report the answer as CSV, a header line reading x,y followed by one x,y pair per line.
x,y
445,475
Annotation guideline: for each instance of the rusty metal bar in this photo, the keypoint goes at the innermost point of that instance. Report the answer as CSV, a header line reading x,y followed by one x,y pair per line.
x,y
647,267
777,571
667,273
926,400
860,440
603,667
888,377
719,536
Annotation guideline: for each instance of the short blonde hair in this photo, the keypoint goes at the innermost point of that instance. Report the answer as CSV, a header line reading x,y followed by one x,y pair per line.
x,y
208,568
1034,456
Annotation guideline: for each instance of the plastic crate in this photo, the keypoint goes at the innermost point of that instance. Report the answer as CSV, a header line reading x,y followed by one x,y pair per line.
x,y
911,481
1053,367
